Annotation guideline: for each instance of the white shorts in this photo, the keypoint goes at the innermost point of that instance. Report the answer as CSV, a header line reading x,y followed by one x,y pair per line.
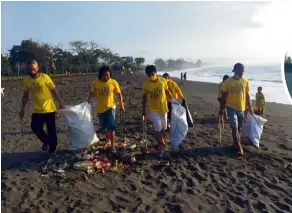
x,y
159,120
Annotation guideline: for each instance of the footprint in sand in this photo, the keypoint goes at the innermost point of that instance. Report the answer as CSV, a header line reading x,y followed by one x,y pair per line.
x,y
178,186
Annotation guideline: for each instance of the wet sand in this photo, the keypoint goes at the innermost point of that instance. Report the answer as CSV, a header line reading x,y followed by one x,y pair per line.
x,y
205,177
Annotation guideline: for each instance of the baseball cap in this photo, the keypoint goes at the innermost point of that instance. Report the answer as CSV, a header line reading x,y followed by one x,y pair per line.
x,y
238,66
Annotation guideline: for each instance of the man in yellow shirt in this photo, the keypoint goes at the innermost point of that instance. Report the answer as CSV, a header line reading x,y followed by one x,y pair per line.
x,y
155,92
235,96
225,77
104,88
175,94
42,88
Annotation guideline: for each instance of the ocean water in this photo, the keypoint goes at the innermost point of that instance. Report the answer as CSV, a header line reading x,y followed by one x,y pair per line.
x,y
288,77
267,76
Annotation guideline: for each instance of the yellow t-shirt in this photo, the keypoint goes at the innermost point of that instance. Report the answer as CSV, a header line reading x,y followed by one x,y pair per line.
x,y
174,90
236,89
104,92
40,88
220,90
260,100
156,95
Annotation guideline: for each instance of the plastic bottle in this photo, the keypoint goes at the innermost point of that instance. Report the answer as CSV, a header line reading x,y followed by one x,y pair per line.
x,y
83,165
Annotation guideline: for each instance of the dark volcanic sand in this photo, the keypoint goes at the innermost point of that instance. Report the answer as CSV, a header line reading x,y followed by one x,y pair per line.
x,y
206,177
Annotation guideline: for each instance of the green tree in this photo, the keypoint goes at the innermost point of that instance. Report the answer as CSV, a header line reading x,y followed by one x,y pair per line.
x,y
199,63
160,63
139,61
5,66
170,64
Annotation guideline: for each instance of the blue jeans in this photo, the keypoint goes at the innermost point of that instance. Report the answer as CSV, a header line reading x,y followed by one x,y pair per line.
x,y
107,120
236,118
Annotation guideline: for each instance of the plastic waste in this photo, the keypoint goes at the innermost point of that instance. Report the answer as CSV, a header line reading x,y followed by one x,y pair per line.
x,y
99,165
67,180
90,170
2,91
83,165
253,129
131,147
179,125
80,126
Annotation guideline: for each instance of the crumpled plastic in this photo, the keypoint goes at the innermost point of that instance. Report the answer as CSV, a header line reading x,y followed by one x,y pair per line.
x,y
90,161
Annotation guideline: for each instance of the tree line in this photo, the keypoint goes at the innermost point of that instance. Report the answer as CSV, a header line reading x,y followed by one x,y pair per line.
x,y
83,57
176,64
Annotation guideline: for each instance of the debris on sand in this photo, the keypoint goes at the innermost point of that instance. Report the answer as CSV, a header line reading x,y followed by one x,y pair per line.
x,y
92,160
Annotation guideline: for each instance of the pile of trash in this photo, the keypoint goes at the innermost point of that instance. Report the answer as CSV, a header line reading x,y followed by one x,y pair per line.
x,y
93,160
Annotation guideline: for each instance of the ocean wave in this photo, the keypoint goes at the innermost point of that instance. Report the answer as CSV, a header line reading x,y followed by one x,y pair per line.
x,y
273,81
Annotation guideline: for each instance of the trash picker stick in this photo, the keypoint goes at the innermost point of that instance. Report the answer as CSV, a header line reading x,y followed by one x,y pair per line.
x,y
144,131
122,126
220,130
22,135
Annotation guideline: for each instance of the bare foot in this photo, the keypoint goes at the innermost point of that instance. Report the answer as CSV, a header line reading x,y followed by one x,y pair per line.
x,y
239,149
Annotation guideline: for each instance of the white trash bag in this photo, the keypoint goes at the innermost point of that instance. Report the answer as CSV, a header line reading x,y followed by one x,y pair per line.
x,y
253,129
80,126
179,125
2,91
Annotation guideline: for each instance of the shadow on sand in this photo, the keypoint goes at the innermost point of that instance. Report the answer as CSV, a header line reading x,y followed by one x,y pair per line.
x,y
208,121
31,161
28,133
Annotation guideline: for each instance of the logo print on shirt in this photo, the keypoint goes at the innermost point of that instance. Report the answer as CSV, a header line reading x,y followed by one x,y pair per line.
x,y
238,88
155,94
37,88
104,91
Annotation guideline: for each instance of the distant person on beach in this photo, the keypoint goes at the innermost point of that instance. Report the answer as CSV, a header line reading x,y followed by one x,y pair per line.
x,y
260,101
155,90
104,88
235,95
175,92
43,89
185,76
225,77
123,70
181,78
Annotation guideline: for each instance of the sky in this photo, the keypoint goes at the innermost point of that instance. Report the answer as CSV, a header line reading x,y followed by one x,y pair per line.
x,y
212,31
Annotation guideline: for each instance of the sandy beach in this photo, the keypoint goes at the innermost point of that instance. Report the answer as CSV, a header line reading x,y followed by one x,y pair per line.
x,y
204,177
